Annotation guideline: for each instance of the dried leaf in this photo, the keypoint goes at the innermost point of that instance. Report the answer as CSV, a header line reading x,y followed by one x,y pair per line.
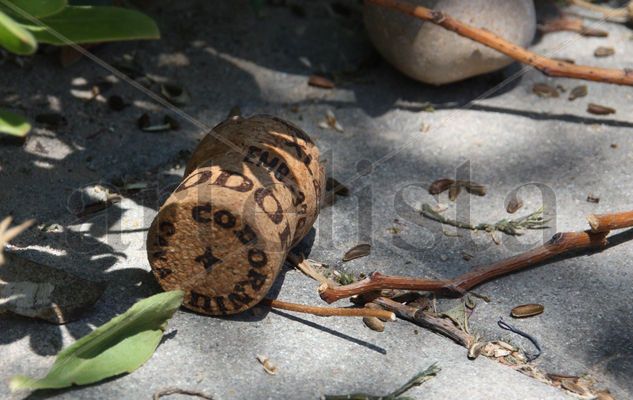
x,y
577,92
459,315
320,82
39,291
599,110
573,386
527,310
120,346
544,90
269,367
440,185
357,251
604,51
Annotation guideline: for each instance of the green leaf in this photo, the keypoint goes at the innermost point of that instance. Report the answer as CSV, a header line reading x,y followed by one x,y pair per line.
x,y
14,37
35,8
87,24
120,346
13,124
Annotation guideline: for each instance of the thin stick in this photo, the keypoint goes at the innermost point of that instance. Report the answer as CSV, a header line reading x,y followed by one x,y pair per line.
x,y
559,243
608,12
609,222
546,65
418,316
329,311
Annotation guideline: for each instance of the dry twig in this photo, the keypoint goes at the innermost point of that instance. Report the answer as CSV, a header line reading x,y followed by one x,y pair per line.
x,y
186,392
609,222
559,243
546,65
329,311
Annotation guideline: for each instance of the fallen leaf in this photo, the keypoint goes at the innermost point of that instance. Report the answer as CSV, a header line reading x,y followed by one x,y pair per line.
x,y
119,346
357,251
39,291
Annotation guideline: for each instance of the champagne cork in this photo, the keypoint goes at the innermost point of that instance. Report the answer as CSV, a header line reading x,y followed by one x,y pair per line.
x,y
252,190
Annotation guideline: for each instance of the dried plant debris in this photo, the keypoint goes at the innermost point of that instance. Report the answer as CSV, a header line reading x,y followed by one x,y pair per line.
x,y
175,94
320,82
454,187
544,90
268,366
604,51
598,109
330,122
417,380
578,92
514,227
514,204
358,251
7,234
592,198
527,310
40,291
333,185
185,392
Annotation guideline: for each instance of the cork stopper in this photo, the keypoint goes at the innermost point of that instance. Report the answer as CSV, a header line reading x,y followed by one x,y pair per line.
x,y
251,191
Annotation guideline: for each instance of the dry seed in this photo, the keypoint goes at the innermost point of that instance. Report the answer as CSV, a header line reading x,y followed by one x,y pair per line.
x,y
453,192
320,82
473,188
269,367
599,110
440,185
374,324
527,310
357,251
604,51
514,205
544,90
577,92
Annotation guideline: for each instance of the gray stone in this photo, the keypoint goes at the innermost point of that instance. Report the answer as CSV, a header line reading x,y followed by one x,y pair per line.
x,y
432,54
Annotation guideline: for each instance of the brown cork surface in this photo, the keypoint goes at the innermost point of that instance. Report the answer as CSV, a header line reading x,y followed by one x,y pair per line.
x,y
224,233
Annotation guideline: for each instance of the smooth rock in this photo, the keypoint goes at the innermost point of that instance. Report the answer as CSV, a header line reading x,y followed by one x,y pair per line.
x,y
432,54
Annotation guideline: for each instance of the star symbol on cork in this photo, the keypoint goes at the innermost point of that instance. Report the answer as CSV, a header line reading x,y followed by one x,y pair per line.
x,y
208,260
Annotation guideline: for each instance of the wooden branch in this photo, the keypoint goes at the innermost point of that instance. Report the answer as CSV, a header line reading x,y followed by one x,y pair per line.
x,y
443,326
377,281
608,12
609,222
546,65
329,311
559,243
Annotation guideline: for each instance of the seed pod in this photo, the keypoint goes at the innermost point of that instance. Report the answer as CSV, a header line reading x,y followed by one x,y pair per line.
x,y
527,310
604,51
599,110
252,190
544,90
577,92
514,204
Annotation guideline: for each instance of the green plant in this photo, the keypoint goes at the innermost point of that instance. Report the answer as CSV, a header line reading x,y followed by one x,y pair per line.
x,y
26,23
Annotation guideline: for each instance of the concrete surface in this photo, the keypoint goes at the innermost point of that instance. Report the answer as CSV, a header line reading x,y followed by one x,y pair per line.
x,y
504,135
